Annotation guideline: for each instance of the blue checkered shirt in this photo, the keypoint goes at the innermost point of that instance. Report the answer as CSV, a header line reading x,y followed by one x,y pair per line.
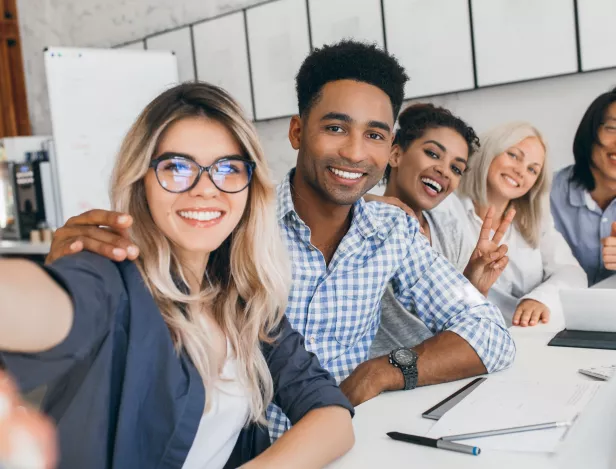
x,y
337,306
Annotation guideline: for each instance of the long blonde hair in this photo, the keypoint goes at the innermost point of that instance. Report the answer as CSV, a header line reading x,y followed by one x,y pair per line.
x,y
529,208
247,278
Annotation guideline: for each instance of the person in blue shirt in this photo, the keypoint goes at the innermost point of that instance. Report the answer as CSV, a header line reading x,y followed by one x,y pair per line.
x,y
583,197
344,251
170,361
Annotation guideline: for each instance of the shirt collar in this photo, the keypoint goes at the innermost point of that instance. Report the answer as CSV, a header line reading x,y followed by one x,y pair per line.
x,y
364,219
580,197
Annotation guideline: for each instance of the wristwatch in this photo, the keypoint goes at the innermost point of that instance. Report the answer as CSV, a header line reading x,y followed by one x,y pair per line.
x,y
406,360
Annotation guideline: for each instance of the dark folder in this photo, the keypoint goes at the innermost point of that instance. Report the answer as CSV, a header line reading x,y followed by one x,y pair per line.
x,y
584,339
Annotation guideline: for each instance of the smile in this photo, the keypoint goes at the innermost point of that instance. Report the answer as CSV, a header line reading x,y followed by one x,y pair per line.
x,y
432,184
200,215
345,174
512,182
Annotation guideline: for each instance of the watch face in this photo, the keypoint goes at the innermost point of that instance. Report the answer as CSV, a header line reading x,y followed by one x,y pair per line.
x,y
404,357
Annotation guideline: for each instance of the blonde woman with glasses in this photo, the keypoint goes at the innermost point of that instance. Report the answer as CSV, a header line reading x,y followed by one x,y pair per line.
x,y
171,360
511,170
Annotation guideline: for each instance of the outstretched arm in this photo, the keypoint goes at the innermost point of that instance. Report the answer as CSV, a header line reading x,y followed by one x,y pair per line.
x,y
35,312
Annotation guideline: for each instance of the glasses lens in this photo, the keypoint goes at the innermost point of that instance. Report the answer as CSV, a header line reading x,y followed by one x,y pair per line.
x,y
177,174
231,175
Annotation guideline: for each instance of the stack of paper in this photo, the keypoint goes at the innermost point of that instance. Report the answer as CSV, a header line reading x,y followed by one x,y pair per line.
x,y
500,403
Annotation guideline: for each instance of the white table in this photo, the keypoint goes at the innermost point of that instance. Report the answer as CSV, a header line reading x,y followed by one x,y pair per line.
x,y
23,248
401,411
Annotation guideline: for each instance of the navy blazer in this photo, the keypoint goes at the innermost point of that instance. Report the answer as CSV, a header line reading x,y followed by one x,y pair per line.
x,y
120,394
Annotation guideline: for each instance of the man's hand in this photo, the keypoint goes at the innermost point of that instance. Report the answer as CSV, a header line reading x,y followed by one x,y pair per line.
x,y
489,259
391,201
27,438
609,249
370,379
99,231
530,312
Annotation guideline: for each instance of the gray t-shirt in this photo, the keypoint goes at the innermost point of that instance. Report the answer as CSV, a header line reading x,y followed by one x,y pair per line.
x,y
399,326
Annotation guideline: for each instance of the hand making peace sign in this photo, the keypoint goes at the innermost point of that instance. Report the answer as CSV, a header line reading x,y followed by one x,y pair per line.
x,y
489,259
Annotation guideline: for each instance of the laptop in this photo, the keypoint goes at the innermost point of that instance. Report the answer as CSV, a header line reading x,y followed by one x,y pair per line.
x,y
590,319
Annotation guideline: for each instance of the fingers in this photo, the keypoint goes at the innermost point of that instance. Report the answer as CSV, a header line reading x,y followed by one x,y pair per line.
x,y
609,254
71,239
27,439
486,226
614,229
504,226
114,220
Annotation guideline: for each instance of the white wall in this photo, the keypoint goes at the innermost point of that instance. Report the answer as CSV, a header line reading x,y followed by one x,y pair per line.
x,y
554,105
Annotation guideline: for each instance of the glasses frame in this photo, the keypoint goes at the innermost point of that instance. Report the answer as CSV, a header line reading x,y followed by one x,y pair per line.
x,y
251,165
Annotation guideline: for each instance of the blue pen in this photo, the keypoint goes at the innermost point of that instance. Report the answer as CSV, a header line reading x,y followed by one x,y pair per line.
x,y
442,444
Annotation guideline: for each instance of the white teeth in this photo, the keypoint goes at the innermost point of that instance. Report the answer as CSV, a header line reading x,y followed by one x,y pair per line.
x,y
346,174
200,216
511,181
432,183
612,156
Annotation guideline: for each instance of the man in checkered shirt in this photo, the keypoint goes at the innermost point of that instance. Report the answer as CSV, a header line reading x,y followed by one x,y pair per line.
x,y
344,251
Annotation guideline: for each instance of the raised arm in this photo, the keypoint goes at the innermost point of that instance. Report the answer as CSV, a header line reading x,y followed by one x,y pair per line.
x,y
52,317
489,258
35,312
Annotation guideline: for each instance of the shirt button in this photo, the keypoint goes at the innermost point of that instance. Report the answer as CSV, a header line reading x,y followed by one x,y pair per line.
x,y
312,340
604,220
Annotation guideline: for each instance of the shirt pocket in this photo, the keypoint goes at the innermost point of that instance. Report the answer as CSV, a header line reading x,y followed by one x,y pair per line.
x,y
356,315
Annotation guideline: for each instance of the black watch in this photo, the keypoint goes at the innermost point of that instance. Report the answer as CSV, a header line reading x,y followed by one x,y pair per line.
x,y
406,360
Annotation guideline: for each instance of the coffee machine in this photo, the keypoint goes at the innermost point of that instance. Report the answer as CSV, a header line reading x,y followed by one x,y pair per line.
x,y
22,207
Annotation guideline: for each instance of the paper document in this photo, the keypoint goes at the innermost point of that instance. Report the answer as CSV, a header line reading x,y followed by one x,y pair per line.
x,y
500,403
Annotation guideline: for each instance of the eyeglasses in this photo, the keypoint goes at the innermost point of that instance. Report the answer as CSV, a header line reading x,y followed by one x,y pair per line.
x,y
178,173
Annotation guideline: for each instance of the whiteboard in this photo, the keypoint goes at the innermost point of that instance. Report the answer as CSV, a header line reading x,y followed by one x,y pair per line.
x,y
139,45
94,97
597,20
180,43
523,39
334,20
225,63
278,37
433,46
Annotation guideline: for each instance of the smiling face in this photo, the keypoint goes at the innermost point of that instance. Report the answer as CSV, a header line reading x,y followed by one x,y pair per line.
x,y
344,141
430,168
514,172
199,220
604,155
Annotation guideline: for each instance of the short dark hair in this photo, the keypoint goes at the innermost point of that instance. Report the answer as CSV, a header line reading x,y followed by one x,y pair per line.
x,y
349,60
417,118
586,136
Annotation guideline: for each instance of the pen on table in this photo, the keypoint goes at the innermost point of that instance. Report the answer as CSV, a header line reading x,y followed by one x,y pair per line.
x,y
424,441
506,431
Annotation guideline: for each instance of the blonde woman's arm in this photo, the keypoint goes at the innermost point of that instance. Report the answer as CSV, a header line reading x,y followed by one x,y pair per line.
x,y
54,316
309,397
36,314
561,270
319,438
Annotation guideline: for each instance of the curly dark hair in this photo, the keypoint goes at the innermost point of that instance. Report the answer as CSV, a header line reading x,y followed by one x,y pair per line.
x,y
349,60
418,118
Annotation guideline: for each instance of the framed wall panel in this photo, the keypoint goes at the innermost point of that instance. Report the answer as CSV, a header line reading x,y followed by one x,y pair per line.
x,y
597,26
221,55
523,39
432,40
279,41
180,43
334,20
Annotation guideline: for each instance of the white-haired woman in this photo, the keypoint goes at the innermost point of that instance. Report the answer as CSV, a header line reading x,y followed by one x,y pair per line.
x,y
170,361
511,170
